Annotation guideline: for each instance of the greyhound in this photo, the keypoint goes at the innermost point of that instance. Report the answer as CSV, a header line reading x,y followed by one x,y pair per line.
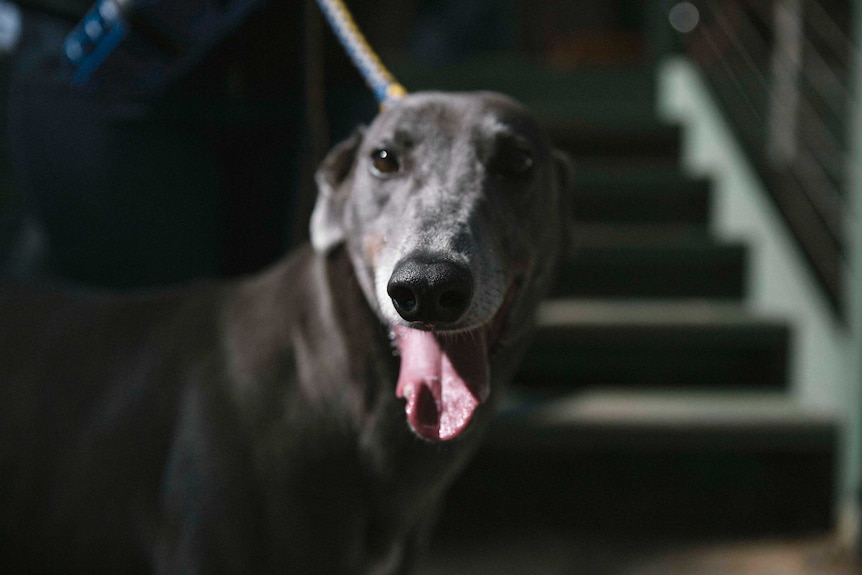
x,y
307,419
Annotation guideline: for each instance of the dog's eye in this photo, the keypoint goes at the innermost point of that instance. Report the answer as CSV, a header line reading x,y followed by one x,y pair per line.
x,y
513,162
385,162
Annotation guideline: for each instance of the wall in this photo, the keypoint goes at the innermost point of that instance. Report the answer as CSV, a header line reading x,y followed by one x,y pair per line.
x,y
826,362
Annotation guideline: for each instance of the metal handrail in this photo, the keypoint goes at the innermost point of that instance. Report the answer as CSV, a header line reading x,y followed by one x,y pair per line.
x,y
780,70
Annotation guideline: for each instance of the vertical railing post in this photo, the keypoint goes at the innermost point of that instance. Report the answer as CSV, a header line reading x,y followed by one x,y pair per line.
x,y
784,86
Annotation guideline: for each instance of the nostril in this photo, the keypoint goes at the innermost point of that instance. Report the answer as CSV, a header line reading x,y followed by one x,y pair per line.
x,y
454,292
403,298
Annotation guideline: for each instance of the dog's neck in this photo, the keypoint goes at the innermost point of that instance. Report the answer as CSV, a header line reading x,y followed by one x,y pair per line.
x,y
312,361
303,336
303,332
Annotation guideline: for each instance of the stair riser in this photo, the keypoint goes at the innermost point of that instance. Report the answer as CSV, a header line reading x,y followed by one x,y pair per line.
x,y
723,357
696,493
625,206
587,144
654,273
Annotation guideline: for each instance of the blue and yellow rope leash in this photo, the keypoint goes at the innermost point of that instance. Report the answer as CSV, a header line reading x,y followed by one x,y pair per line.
x,y
106,25
386,88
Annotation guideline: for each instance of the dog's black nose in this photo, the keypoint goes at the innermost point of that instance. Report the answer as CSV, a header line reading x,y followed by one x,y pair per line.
x,y
430,290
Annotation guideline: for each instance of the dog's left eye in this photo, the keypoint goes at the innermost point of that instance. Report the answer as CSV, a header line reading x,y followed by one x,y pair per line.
x,y
385,162
513,162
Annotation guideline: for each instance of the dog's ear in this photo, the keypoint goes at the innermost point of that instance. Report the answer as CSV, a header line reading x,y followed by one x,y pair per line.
x,y
564,170
327,219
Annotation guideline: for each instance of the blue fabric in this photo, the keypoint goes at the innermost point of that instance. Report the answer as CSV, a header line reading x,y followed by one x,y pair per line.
x,y
133,191
139,47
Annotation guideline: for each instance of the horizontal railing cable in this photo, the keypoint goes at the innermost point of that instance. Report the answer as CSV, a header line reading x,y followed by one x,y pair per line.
x,y
781,71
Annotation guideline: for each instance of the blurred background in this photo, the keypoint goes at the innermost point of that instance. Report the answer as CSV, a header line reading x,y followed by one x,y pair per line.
x,y
693,401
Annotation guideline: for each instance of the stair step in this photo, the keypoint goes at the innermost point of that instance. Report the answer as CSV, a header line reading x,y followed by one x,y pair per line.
x,y
540,551
601,115
689,344
651,262
660,419
624,148
645,197
616,95
656,463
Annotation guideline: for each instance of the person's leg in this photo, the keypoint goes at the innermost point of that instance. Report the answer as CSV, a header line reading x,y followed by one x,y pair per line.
x,y
126,199
126,202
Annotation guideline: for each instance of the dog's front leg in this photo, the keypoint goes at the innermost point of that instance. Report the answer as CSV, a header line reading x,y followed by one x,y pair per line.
x,y
210,508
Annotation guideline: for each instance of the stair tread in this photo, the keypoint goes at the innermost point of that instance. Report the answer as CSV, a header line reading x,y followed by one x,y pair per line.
x,y
538,551
672,410
587,178
609,92
674,237
575,313
587,122
636,421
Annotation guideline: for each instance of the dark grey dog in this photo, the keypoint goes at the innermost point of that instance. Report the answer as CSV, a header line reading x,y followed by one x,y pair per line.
x,y
309,419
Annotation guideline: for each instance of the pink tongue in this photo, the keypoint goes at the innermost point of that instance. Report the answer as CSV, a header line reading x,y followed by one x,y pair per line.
x,y
443,381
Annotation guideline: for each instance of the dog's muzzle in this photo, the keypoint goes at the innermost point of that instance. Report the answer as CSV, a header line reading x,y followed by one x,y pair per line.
x,y
444,374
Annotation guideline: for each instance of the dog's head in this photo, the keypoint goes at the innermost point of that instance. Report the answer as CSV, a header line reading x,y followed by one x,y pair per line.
x,y
451,208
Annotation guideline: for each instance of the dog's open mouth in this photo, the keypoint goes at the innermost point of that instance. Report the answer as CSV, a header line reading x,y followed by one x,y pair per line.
x,y
445,376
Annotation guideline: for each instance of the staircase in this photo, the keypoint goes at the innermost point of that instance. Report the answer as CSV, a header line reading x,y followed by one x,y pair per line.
x,y
653,406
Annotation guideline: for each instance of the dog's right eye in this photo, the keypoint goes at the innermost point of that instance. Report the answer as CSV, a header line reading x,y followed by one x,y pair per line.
x,y
385,162
514,162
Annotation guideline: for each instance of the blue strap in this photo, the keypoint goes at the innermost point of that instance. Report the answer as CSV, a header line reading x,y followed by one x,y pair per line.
x,y
93,40
140,46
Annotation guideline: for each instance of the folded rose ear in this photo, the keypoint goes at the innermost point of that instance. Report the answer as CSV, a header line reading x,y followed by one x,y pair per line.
x,y
565,173
327,219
